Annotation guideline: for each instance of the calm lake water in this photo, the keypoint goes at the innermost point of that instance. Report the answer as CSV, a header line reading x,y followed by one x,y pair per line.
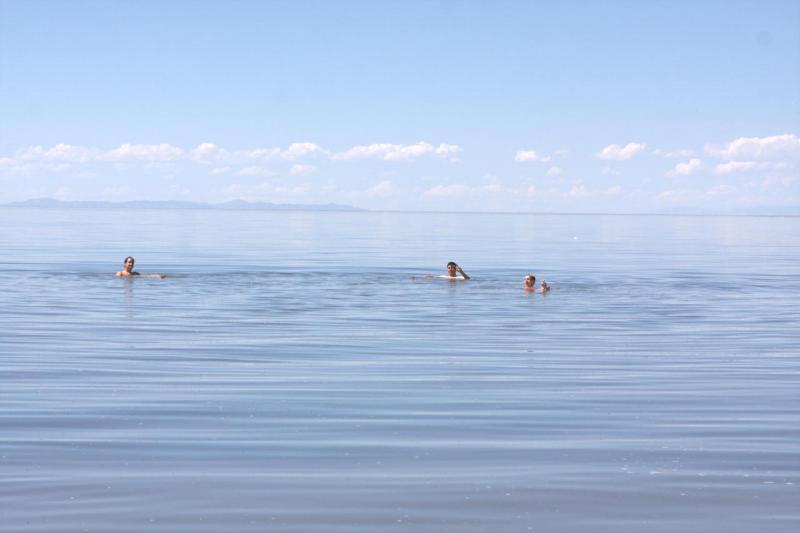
x,y
290,376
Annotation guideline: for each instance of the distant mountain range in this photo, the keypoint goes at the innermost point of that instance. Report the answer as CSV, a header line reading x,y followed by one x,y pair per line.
x,y
172,204
243,204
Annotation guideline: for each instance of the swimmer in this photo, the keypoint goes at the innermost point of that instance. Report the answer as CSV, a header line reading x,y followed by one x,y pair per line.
x,y
452,273
127,270
529,284
453,269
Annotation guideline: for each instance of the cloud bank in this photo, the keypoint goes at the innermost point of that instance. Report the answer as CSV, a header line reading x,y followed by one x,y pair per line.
x,y
207,153
399,152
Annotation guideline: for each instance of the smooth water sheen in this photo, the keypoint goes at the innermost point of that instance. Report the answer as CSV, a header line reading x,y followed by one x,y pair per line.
x,y
290,376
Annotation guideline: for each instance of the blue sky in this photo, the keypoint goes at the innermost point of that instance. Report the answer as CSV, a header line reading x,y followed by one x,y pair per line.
x,y
500,106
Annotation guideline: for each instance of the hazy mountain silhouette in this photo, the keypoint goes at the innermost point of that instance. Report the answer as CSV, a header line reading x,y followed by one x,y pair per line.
x,y
174,204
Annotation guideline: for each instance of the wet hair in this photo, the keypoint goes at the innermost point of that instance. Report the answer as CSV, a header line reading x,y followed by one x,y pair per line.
x,y
129,257
451,263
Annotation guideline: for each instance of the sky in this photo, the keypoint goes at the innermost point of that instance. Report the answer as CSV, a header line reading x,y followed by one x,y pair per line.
x,y
573,106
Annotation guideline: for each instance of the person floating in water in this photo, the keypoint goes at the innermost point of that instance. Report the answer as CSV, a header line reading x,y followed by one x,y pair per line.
x,y
529,284
127,270
453,271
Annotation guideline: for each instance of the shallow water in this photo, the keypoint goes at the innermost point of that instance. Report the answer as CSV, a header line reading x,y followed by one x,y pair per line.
x,y
290,375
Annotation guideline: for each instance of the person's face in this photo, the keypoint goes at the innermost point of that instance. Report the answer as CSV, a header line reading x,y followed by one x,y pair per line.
x,y
529,281
128,264
451,269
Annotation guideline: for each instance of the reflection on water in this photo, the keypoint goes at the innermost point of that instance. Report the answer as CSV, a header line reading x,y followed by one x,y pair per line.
x,y
289,375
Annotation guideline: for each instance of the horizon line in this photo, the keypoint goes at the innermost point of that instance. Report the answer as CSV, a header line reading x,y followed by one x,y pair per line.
x,y
794,211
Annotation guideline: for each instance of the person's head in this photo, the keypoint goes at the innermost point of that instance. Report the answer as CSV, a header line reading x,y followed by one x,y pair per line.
x,y
452,268
530,280
128,263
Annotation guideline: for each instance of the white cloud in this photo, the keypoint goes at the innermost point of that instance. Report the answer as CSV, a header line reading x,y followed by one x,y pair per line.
x,y
608,171
449,150
67,153
377,151
31,153
741,166
685,169
220,170
611,191
455,189
300,170
208,153
554,171
399,152
531,155
70,153
758,148
620,153
299,150
145,152
60,152
406,153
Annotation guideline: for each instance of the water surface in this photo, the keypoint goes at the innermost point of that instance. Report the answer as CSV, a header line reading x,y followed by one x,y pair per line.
x,y
290,375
